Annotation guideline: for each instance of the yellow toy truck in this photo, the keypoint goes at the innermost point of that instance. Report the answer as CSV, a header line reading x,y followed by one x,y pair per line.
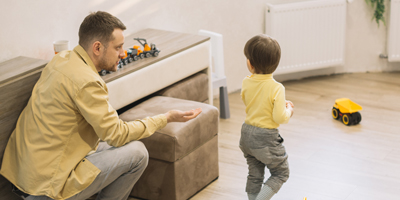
x,y
346,111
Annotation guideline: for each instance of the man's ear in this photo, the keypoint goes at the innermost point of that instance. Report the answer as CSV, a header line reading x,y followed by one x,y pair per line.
x,y
96,47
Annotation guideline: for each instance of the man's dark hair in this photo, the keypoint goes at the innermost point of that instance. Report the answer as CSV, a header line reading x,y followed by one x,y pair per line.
x,y
264,53
98,26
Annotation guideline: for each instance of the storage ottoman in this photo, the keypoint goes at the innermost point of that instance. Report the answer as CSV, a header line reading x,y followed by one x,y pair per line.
x,y
183,156
194,88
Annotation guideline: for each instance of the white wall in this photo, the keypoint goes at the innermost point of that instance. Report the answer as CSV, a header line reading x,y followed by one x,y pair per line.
x,y
29,28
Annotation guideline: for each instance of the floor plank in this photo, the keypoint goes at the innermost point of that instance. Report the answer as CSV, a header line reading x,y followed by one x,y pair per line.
x,y
328,160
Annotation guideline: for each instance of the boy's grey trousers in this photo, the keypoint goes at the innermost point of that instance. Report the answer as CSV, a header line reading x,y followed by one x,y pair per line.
x,y
120,169
263,148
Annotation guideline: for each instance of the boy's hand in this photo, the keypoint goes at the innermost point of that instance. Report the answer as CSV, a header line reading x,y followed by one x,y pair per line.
x,y
289,103
182,116
290,106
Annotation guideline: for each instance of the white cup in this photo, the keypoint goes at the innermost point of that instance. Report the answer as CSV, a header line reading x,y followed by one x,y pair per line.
x,y
60,45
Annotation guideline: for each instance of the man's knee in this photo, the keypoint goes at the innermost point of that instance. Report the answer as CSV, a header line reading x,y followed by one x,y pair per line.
x,y
139,153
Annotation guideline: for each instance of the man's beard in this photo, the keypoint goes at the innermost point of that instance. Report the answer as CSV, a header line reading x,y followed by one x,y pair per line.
x,y
105,64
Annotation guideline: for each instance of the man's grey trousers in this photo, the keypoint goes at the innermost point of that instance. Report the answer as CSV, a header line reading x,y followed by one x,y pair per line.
x,y
120,169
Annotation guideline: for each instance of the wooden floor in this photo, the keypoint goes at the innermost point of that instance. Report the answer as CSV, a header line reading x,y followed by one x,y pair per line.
x,y
328,160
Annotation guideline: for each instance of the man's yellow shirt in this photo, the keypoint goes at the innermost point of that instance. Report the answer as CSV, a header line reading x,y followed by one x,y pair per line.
x,y
66,116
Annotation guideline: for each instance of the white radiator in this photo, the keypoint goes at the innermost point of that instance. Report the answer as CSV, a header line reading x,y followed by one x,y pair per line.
x,y
394,32
311,33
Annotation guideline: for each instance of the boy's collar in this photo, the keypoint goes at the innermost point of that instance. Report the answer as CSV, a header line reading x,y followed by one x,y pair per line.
x,y
261,76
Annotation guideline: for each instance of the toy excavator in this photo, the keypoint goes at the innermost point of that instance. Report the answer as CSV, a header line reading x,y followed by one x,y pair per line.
x,y
148,50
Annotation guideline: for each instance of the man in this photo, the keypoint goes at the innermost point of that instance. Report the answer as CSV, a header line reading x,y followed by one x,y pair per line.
x,y
54,151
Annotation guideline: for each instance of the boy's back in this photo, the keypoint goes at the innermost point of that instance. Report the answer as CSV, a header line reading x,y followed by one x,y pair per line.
x,y
265,101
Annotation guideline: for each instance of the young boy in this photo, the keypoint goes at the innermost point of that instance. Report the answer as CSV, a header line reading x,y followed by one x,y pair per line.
x,y
266,108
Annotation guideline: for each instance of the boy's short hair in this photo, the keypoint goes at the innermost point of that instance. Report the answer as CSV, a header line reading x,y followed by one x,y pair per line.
x,y
98,26
264,53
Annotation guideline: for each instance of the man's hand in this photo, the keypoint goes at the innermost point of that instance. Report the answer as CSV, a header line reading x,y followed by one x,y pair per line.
x,y
182,116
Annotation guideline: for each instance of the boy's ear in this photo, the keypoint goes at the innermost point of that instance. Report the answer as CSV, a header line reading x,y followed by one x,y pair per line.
x,y
249,64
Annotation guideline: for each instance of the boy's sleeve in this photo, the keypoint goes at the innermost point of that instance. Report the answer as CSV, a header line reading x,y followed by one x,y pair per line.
x,y
241,93
280,114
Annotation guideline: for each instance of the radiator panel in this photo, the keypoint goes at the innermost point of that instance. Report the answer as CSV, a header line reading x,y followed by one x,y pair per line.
x,y
394,32
311,33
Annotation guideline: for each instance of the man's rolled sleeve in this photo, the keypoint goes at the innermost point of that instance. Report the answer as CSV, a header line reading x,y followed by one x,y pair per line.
x,y
152,124
92,102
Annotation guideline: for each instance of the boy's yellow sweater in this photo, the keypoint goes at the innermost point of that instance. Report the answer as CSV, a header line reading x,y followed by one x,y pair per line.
x,y
265,101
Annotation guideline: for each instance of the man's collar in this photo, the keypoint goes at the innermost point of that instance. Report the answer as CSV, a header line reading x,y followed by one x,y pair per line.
x,y
85,57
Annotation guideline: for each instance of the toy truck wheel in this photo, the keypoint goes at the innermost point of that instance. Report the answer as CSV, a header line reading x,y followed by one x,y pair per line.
x,y
155,54
135,58
148,55
103,72
141,56
335,113
130,59
125,61
346,119
356,118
